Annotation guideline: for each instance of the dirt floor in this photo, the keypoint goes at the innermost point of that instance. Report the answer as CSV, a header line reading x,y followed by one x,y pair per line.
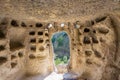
x,y
56,10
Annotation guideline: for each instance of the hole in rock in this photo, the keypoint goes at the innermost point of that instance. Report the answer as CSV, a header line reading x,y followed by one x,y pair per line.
x,y
2,34
40,40
13,65
30,25
94,31
86,30
33,48
23,24
88,53
2,60
33,40
86,40
94,39
14,23
16,45
4,21
72,39
102,39
13,57
97,54
99,19
41,48
20,54
92,22
61,50
39,25
2,47
46,34
32,33
31,56
40,33
48,45
88,61
47,41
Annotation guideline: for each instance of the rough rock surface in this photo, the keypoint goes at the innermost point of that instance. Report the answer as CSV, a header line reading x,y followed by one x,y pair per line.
x,y
56,10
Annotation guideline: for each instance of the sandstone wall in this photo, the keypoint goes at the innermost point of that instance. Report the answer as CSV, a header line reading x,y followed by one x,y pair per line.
x,y
12,51
26,47
56,10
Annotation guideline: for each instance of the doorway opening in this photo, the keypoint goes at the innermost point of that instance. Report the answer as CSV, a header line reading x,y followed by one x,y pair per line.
x,y
61,49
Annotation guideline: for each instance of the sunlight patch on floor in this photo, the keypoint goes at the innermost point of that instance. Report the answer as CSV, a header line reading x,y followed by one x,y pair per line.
x,y
54,76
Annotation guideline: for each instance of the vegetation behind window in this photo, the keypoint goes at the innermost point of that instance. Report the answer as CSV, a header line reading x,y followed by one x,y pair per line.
x,y
61,48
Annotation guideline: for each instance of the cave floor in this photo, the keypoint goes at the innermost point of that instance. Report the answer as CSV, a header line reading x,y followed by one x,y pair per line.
x,y
54,76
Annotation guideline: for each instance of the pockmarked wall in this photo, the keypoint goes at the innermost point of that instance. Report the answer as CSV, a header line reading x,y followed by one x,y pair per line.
x,y
26,49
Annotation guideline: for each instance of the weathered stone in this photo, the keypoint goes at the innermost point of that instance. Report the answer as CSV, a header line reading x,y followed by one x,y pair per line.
x,y
29,39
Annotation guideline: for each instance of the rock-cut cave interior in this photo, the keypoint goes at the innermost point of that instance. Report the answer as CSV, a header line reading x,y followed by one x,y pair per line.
x,y
59,39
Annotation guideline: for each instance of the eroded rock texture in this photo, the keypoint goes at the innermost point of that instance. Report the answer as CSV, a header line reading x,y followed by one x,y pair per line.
x,y
26,28
26,49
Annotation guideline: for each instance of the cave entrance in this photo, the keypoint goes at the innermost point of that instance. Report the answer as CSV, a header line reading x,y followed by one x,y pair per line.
x,y
61,49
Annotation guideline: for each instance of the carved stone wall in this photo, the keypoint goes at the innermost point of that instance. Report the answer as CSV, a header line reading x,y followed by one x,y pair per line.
x,y
26,47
